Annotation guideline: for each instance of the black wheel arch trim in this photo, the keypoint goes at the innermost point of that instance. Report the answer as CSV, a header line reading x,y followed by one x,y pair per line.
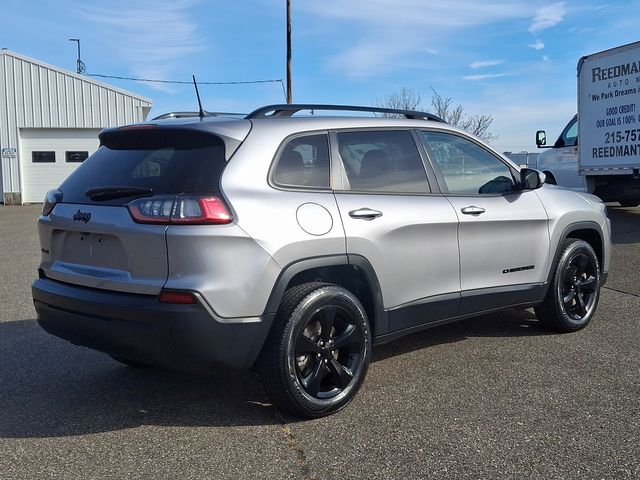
x,y
381,320
566,233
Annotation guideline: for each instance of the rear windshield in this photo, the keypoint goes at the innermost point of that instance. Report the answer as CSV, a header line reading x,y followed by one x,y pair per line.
x,y
167,161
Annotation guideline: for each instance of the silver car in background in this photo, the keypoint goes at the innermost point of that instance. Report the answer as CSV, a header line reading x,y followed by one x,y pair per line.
x,y
292,244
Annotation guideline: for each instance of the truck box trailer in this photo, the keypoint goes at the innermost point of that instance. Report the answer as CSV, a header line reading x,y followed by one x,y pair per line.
x,y
599,150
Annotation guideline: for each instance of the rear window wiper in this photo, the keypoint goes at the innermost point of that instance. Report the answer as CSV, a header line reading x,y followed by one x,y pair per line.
x,y
98,194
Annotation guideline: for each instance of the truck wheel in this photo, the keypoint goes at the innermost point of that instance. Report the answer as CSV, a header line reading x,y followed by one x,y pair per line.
x,y
318,351
629,203
550,179
574,291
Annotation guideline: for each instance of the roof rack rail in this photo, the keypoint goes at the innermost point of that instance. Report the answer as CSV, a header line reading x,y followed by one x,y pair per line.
x,y
197,114
287,110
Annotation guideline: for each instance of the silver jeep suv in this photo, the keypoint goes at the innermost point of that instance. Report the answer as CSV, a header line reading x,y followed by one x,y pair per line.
x,y
293,243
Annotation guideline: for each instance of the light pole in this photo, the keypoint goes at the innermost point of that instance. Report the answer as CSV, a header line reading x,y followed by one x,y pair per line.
x,y
289,92
80,66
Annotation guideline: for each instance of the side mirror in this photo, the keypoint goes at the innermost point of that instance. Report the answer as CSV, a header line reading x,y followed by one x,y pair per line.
x,y
531,179
541,138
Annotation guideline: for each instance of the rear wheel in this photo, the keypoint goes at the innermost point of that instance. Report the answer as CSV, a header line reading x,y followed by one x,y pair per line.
x,y
575,288
317,354
629,203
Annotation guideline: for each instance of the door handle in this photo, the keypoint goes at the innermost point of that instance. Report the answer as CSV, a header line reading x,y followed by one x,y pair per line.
x,y
472,210
365,213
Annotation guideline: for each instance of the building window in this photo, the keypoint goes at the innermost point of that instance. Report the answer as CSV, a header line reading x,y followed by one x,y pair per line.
x,y
43,157
76,157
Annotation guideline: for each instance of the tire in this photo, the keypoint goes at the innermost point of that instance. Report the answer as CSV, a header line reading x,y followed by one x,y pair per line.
x,y
316,356
573,295
629,203
130,363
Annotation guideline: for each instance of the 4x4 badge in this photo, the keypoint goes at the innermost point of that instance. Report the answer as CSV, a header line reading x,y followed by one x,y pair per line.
x,y
80,216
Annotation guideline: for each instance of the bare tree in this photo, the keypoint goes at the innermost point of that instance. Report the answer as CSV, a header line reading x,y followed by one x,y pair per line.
x,y
409,99
405,99
477,125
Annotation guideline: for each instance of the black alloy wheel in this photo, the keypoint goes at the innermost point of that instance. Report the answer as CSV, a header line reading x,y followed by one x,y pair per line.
x,y
573,294
328,351
578,286
318,350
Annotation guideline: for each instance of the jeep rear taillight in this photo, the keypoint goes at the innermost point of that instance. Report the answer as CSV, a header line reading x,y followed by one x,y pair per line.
x,y
50,200
180,210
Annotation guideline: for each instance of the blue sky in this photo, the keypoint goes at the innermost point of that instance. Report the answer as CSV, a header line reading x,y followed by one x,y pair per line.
x,y
512,59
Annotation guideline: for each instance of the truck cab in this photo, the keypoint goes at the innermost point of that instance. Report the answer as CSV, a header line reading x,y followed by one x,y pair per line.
x,y
560,161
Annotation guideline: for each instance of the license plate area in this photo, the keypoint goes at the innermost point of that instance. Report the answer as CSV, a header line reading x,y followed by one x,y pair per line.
x,y
94,249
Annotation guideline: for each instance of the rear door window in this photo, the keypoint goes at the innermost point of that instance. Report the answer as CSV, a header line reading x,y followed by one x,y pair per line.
x,y
168,161
382,161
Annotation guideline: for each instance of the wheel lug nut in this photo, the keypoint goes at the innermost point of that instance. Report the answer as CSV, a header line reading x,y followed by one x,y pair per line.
x,y
319,355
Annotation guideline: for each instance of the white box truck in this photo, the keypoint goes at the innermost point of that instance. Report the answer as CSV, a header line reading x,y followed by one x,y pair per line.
x,y
599,149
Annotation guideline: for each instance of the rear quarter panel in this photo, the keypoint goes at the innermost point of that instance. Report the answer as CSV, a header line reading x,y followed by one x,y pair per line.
x,y
275,217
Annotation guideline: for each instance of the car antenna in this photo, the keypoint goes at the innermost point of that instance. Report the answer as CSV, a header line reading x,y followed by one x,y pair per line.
x,y
201,112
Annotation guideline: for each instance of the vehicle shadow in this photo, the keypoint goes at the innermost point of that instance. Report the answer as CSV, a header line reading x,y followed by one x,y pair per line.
x,y
625,225
52,389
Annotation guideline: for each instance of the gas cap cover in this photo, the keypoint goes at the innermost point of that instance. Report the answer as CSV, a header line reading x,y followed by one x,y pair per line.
x,y
314,219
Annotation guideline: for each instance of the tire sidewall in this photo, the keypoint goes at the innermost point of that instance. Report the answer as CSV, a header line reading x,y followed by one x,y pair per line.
x,y
330,295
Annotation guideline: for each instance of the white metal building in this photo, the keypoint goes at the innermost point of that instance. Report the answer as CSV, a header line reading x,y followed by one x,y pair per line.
x,y
49,123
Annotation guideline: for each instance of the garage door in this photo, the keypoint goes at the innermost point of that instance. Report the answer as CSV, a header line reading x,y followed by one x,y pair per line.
x,y
49,155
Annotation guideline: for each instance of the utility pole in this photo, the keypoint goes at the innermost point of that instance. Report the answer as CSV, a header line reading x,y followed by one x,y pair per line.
x,y
289,93
80,66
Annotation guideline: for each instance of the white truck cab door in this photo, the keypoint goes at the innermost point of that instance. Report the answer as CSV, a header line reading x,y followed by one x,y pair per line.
x,y
562,159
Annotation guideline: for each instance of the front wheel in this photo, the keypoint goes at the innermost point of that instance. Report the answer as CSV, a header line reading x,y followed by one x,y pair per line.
x,y
575,289
317,354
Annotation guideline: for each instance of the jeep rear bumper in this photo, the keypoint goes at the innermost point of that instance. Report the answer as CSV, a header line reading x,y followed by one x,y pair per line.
x,y
140,328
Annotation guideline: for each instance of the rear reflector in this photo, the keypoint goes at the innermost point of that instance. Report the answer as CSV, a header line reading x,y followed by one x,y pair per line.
x,y
183,298
180,210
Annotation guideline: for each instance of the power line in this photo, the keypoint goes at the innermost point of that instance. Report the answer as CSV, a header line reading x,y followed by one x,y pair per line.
x,y
187,82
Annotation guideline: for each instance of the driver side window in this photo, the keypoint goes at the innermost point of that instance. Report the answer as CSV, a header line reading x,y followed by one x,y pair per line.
x,y
467,168
570,135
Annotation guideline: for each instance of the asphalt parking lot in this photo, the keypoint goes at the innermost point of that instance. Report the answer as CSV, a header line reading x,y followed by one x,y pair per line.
x,y
490,397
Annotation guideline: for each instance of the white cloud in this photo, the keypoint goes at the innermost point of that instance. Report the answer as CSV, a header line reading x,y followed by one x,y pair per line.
x,y
486,76
485,63
548,16
406,13
151,37
537,45
382,28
